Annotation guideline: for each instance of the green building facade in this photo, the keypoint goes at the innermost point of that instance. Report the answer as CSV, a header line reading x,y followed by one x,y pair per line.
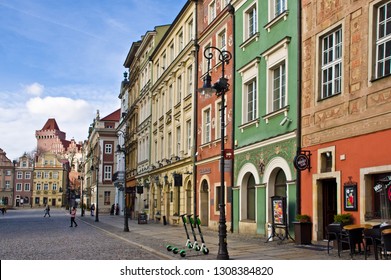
x,y
266,94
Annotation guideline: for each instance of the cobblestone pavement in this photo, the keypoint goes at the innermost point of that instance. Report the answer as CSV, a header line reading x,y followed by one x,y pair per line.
x,y
25,234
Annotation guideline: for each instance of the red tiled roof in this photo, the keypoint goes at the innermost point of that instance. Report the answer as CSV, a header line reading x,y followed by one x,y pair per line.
x,y
115,116
51,124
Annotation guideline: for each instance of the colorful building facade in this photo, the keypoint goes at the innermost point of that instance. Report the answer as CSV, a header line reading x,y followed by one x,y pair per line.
x,y
346,107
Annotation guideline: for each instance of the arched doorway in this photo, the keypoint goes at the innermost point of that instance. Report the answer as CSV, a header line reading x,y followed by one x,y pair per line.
x,y
204,203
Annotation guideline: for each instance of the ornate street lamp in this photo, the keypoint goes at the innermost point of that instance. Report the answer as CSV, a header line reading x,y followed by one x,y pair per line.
x,y
126,224
96,168
219,88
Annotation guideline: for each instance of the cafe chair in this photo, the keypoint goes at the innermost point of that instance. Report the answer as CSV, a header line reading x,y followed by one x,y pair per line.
x,y
333,232
385,246
371,238
352,237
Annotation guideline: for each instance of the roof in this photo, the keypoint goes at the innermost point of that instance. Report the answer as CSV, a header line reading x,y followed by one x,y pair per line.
x,y
114,116
50,125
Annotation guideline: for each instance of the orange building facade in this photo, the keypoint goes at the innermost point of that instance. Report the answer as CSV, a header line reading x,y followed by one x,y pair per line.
x,y
346,111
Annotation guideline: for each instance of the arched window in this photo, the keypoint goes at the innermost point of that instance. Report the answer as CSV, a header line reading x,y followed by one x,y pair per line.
x,y
251,198
280,185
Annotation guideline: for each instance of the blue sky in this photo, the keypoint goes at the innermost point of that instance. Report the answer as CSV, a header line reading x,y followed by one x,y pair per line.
x,y
63,59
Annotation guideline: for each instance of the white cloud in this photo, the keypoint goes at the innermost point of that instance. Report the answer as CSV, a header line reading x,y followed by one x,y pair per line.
x,y
34,89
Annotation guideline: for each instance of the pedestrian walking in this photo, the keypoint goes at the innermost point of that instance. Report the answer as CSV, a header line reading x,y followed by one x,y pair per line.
x,y
73,216
92,209
112,209
116,209
47,211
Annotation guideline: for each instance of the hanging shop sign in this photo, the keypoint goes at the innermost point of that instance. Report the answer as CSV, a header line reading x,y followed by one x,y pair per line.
x,y
302,160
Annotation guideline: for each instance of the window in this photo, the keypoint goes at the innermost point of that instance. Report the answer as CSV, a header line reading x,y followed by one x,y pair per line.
x,y
190,31
279,92
278,7
212,11
280,185
19,175
251,100
27,187
222,40
164,61
38,186
172,52
170,97
54,187
189,135
179,90
180,41
178,140
45,187
383,40
46,175
107,198
190,79
207,128
169,145
250,23
8,173
18,187
27,175
24,164
331,72
55,175
108,148
251,198
107,172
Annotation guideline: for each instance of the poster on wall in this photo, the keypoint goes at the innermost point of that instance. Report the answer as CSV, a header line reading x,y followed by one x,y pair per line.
x,y
350,194
279,210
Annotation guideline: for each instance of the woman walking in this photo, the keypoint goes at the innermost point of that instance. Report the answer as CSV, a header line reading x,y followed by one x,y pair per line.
x,y
73,216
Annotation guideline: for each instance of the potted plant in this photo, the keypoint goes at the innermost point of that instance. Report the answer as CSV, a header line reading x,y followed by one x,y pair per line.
x,y
343,219
303,229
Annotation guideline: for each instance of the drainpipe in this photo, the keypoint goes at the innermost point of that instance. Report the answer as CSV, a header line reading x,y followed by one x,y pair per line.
x,y
195,108
298,134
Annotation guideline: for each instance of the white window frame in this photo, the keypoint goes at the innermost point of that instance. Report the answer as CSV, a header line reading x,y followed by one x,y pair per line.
x,y
276,8
189,135
190,79
279,90
27,187
54,186
222,39
333,63
254,86
108,171
38,186
108,149
211,11
250,24
382,41
276,56
206,125
27,175
18,187
179,88
19,175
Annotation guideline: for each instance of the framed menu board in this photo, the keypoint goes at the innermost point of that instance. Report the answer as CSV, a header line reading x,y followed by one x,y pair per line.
x,y
279,210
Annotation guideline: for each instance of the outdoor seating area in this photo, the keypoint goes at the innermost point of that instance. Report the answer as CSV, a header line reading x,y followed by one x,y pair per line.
x,y
361,239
